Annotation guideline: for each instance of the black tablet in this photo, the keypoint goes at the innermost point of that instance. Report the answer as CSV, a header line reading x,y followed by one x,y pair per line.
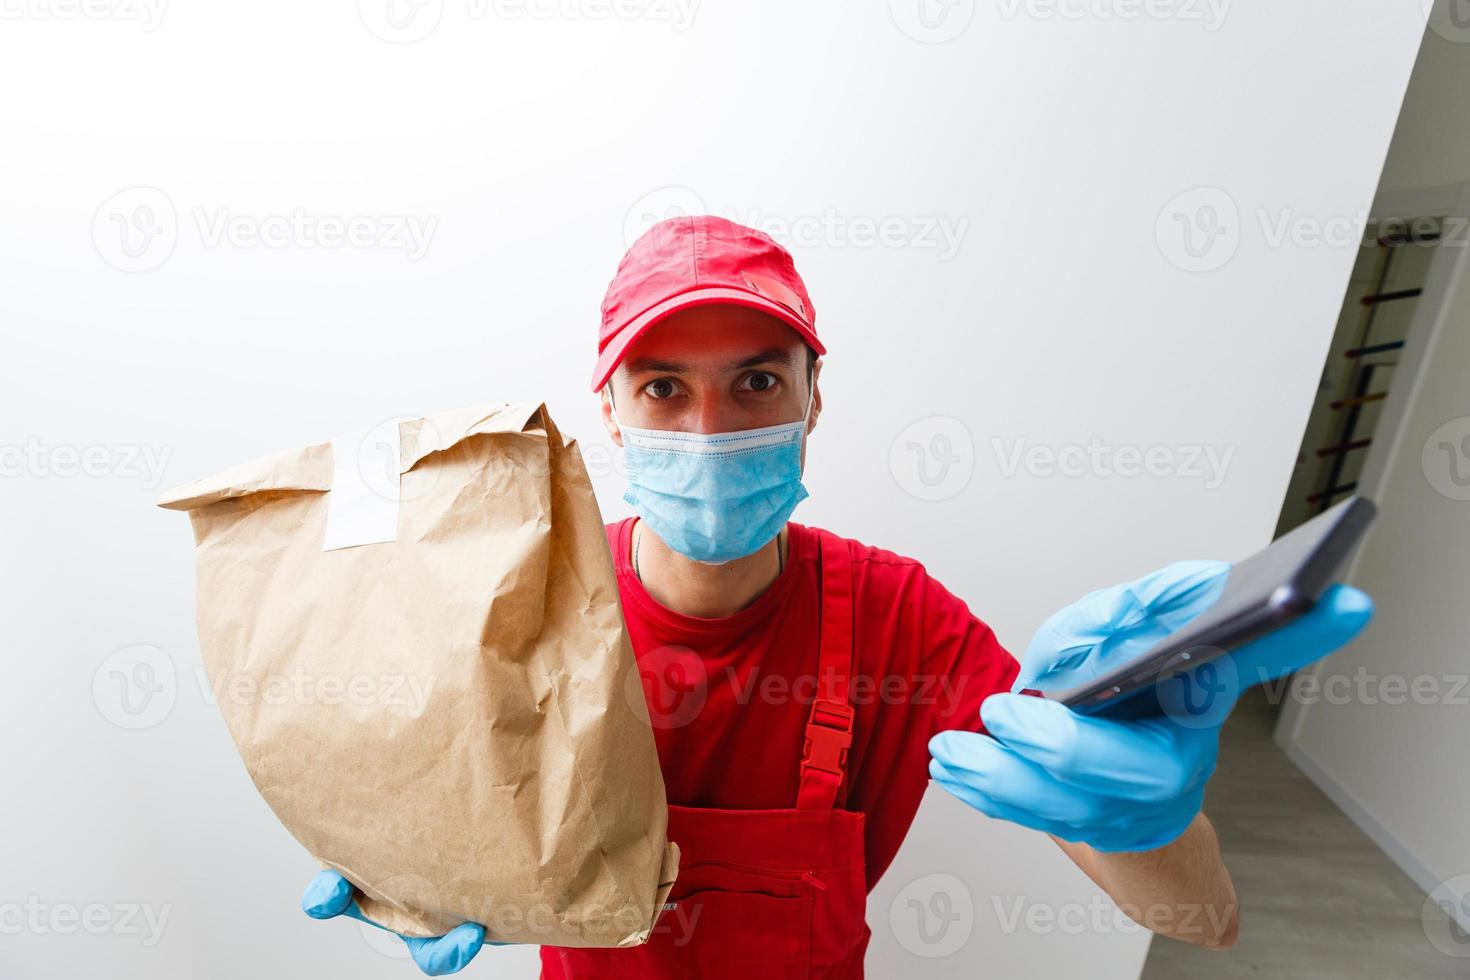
x,y
1263,593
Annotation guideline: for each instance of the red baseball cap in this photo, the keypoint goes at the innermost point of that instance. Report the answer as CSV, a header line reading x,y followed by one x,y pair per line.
x,y
692,260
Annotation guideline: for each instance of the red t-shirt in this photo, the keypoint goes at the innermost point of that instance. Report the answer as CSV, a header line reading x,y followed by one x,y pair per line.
x,y
729,698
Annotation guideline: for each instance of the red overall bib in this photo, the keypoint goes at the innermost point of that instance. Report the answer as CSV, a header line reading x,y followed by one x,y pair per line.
x,y
766,894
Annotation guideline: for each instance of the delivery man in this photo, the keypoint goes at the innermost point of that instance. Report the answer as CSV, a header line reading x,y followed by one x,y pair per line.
x,y
804,687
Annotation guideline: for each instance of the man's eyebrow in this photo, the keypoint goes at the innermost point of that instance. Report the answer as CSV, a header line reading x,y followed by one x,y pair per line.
x,y
771,355
643,364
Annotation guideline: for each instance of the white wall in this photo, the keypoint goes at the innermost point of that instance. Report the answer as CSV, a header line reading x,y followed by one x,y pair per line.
x,y
1066,313
1382,725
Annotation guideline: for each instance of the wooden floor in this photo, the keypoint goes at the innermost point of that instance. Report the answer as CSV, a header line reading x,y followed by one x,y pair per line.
x,y
1318,898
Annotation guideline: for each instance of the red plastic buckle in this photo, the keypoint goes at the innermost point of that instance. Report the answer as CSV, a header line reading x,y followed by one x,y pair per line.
x,y
828,735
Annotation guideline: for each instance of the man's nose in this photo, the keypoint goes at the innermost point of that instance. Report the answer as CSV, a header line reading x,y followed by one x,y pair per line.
x,y
714,413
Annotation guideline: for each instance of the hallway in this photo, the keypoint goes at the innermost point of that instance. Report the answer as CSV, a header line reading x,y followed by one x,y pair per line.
x,y
1318,898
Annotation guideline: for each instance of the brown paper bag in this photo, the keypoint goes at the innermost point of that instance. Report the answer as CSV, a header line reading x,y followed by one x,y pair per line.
x,y
415,639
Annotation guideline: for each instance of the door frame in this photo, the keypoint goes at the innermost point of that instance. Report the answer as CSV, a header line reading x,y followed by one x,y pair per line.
x,y
1449,270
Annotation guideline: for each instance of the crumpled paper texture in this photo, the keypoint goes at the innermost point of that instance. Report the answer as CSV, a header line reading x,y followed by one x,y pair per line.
x,y
452,720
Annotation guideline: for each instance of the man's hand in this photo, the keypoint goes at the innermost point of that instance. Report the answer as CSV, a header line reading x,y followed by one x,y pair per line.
x,y
330,895
1121,785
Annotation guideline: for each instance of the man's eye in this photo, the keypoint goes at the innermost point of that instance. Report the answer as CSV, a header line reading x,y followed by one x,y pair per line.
x,y
760,381
662,388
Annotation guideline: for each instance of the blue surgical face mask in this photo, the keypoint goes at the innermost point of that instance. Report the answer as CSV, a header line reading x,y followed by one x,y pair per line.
x,y
715,497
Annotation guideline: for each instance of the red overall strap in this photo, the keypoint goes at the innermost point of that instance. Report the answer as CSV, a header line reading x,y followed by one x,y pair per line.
x,y
829,728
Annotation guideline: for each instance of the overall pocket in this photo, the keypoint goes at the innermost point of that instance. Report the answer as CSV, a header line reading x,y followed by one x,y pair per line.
x,y
731,919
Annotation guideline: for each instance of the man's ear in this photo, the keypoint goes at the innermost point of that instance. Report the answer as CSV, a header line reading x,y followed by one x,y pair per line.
x,y
608,422
816,396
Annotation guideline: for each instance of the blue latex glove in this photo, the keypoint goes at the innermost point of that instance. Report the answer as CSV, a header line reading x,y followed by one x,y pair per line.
x,y
1123,785
330,895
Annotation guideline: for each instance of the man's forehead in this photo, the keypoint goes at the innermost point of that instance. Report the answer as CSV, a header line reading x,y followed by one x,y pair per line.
x,y
674,361
715,337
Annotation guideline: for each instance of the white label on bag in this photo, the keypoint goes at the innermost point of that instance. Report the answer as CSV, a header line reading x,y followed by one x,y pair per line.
x,y
362,506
